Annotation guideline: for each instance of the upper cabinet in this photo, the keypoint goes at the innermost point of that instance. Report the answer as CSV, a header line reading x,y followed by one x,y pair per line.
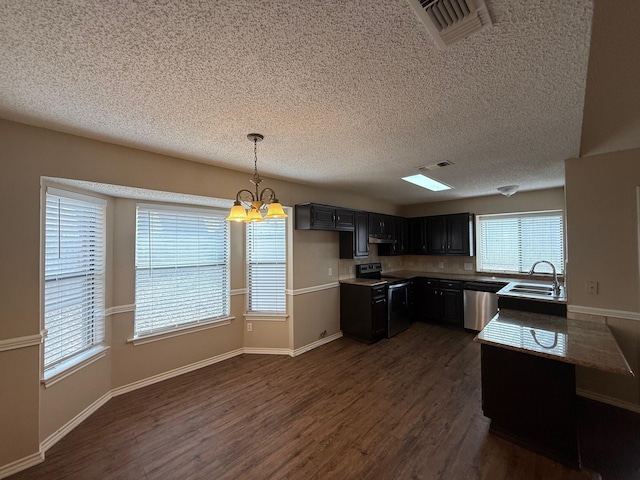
x,y
313,216
400,235
380,226
433,235
442,235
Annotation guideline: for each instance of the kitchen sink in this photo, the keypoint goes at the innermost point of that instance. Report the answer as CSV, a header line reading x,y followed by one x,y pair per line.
x,y
527,286
532,291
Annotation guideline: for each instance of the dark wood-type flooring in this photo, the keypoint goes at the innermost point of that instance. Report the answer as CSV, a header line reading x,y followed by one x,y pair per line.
x,y
404,408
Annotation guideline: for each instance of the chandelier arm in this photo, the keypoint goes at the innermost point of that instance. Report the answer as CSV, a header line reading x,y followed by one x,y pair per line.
x,y
253,197
271,193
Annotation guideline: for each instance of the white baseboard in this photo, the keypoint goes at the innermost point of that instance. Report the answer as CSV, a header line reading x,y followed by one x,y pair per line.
x,y
608,400
175,372
316,344
38,457
22,464
55,437
268,351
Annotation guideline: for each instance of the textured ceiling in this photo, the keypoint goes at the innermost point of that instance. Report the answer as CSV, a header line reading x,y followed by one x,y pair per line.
x,y
349,94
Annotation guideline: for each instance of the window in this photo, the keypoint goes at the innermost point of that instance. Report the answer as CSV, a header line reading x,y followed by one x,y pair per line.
x,y
74,275
512,243
182,267
267,266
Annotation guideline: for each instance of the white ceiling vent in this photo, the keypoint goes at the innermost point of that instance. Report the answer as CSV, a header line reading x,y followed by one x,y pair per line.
x,y
449,21
435,166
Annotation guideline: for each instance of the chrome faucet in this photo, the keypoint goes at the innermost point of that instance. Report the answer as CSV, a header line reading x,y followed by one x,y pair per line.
x,y
555,285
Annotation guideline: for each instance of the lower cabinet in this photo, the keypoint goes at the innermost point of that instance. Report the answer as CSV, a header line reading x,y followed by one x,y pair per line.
x,y
439,301
532,401
363,311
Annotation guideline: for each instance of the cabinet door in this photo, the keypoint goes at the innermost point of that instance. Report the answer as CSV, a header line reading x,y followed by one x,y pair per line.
x,y
459,234
379,316
400,234
451,307
344,219
361,235
322,218
418,236
437,235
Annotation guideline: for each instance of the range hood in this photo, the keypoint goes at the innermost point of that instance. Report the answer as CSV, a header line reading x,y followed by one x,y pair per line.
x,y
380,238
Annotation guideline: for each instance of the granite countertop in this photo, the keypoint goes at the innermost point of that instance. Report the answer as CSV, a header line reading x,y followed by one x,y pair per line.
x,y
464,277
587,344
367,282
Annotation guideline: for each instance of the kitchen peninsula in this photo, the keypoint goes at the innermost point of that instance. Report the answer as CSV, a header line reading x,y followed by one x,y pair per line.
x,y
528,377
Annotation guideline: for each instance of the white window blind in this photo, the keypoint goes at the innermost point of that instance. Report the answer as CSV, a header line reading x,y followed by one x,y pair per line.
x,y
74,275
267,266
182,267
512,243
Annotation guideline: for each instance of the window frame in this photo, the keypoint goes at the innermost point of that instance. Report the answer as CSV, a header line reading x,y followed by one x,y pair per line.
x,y
521,215
181,328
96,348
267,314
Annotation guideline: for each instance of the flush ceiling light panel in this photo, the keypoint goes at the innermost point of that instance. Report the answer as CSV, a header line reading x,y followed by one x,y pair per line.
x,y
427,182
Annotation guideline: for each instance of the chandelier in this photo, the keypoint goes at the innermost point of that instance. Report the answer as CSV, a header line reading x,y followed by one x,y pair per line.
x,y
248,206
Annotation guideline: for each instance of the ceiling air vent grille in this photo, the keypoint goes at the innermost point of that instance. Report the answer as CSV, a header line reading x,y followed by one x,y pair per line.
x,y
435,166
449,21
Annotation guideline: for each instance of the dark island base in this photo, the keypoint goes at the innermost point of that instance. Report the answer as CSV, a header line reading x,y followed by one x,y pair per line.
x,y
532,401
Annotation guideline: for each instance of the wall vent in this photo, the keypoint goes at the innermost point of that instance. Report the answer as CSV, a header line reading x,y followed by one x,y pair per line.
x,y
435,166
449,21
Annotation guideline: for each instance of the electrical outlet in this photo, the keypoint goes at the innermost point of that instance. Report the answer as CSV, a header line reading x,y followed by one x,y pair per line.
x,y
591,287
468,266
350,269
441,264
330,271
249,327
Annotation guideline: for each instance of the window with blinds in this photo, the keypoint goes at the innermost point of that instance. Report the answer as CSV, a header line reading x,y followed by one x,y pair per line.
x,y
182,267
266,266
512,243
74,275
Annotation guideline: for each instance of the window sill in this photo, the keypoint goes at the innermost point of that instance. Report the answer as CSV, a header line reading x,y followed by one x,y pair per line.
x,y
266,317
180,330
72,365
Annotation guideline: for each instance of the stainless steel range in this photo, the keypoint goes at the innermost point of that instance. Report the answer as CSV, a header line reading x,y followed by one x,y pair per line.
x,y
398,318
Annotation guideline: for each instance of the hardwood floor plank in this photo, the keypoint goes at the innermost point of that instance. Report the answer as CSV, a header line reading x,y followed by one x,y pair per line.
x,y
408,407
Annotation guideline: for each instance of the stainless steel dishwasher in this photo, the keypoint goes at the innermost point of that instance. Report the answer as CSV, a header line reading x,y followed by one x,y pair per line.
x,y
480,303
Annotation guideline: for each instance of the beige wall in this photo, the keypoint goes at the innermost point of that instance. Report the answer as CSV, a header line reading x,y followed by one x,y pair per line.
x,y
29,414
602,212
611,120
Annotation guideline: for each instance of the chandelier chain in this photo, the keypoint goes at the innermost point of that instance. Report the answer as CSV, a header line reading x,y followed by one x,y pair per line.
x,y
255,157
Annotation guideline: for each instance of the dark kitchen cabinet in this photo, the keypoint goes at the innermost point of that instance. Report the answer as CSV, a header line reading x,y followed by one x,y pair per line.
x,y
451,303
532,400
442,235
399,233
380,225
460,234
363,311
418,236
313,216
355,244
439,301
437,235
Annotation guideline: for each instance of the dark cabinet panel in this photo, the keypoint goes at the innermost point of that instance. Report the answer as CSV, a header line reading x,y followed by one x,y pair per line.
x,y
312,216
460,234
380,225
442,235
363,311
345,219
439,301
399,233
355,244
437,235
418,236
532,400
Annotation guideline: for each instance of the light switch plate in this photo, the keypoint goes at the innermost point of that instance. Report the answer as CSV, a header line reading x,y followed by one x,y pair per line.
x,y
591,287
